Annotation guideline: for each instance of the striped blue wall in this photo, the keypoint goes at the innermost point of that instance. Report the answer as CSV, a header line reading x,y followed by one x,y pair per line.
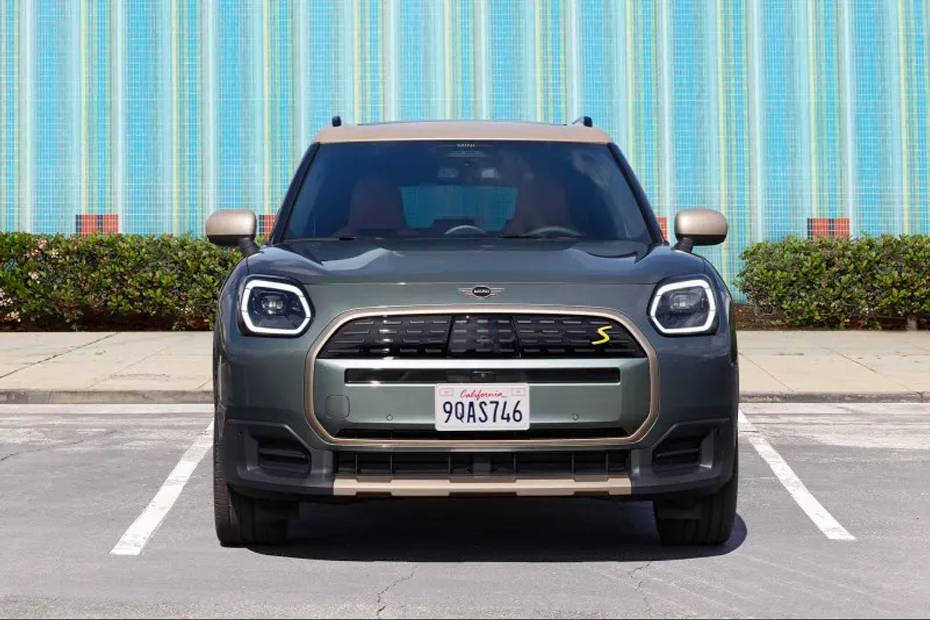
x,y
774,111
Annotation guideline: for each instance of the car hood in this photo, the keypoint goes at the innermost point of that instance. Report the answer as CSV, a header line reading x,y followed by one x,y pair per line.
x,y
472,261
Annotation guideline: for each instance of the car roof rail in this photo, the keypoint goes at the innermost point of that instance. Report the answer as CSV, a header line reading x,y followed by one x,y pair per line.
x,y
583,120
337,121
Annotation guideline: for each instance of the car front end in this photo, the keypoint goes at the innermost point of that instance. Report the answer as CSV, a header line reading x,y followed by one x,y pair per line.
x,y
410,367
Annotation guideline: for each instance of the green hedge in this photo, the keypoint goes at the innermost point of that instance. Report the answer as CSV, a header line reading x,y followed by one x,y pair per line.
x,y
110,281
142,282
836,283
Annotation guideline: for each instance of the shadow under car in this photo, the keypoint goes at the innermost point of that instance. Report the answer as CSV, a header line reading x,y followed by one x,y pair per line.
x,y
485,529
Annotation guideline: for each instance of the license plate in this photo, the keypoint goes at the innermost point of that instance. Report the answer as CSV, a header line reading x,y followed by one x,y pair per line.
x,y
476,407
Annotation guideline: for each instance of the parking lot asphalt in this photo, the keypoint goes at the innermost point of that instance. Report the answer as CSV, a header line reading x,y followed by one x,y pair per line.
x,y
74,478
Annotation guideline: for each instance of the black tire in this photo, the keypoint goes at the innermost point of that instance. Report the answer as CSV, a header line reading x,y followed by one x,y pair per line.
x,y
238,518
715,523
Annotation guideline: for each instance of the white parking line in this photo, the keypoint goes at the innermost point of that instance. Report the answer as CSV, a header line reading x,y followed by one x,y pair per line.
x,y
830,527
145,526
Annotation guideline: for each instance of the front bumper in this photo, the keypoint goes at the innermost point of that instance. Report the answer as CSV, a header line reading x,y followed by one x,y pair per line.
x,y
272,460
683,441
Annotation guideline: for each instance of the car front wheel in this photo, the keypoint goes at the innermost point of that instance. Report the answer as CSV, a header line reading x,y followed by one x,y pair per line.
x,y
713,518
240,520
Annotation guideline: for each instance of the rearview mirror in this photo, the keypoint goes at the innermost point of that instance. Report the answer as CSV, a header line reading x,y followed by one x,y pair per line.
x,y
233,228
699,227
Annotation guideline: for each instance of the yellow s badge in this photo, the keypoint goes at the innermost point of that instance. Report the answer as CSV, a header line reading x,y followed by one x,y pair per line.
x,y
602,332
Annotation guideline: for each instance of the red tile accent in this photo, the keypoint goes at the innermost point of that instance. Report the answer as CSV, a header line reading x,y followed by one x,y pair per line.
x,y
109,223
86,224
92,223
841,227
663,224
265,224
828,227
818,227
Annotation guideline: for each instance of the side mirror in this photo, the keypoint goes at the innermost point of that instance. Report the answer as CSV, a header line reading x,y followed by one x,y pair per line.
x,y
699,227
233,228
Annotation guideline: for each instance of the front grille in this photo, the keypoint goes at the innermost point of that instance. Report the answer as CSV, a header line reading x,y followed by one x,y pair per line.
x,y
443,464
482,336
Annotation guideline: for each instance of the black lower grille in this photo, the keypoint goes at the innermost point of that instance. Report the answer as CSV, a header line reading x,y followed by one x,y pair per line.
x,y
482,464
282,456
682,450
527,435
482,336
467,375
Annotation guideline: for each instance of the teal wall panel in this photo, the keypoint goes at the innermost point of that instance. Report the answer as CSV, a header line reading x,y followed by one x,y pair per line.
x,y
161,111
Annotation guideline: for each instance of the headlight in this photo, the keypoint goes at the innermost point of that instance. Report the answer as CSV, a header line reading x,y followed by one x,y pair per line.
x,y
274,308
686,307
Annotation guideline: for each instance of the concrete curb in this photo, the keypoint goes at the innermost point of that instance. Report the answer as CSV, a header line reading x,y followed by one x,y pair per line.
x,y
125,397
101,397
834,397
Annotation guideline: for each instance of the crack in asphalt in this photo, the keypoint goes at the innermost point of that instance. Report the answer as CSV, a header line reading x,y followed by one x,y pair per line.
x,y
627,578
638,583
58,445
379,602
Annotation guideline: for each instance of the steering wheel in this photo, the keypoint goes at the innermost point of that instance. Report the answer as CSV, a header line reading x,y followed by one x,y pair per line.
x,y
542,231
456,230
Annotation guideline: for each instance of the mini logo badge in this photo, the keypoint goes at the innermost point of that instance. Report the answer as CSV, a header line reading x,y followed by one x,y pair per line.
x,y
480,292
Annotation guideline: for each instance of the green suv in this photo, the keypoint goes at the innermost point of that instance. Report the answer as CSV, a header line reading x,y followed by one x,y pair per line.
x,y
472,308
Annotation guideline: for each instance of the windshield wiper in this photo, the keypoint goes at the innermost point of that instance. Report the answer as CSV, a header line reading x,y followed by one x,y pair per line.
x,y
525,236
339,238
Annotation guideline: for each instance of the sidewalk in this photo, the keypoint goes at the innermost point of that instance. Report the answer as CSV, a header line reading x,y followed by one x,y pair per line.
x,y
174,367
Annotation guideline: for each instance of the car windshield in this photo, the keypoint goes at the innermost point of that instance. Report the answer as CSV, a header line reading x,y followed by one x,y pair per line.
x,y
456,189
